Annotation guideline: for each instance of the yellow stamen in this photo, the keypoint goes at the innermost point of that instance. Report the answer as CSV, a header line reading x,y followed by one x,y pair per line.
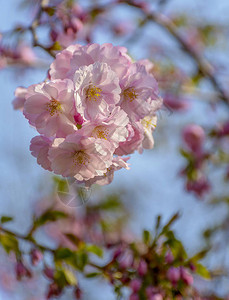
x,y
100,132
53,107
93,93
80,158
130,94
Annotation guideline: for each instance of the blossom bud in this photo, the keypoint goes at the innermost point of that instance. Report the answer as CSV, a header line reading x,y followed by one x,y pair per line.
x,y
169,257
49,272
54,290
135,285
199,186
134,297
186,276
78,119
78,293
194,136
142,267
117,253
156,297
22,271
36,256
173,275
126,261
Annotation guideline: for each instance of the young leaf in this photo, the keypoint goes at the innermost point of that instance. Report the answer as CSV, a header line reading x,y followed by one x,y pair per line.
x,y
202,271
70,277
95,250
9,243
5,219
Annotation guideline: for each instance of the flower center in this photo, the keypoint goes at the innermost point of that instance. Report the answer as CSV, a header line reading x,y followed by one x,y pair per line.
x,y
100,132
130,94
80,158
53,107
148,123
93,93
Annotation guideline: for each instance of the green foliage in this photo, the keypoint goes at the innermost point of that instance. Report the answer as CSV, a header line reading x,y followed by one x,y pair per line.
x,y
9,243
49,216
6,219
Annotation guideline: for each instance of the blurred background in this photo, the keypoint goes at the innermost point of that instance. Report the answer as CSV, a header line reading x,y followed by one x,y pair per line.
x,y
157,182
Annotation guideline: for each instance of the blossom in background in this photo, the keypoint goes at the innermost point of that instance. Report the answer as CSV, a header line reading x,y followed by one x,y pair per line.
x,y
96,107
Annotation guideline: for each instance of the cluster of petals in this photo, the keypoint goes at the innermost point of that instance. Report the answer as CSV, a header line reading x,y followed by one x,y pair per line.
x,y
95,108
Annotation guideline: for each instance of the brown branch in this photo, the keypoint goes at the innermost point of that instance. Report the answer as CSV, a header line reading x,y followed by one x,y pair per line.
x,y
203,65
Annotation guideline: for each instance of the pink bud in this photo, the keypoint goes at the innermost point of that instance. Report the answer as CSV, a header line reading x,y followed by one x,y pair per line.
x,y
126,261
49,272
142,267
173,275
134,297
176,104
54,290
156,297
186,276
169,257
78,119
78,293
36,256
117,253
135,285
199,186
194,136
22,271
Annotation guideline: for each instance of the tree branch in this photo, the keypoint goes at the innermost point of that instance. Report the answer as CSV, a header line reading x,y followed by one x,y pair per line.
x,y
203,65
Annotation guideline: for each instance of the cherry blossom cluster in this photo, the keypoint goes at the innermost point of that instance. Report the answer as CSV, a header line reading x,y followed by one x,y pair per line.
x,y
96,107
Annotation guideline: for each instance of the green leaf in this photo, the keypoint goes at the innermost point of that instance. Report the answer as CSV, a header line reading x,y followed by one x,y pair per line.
x,y
63,253
93,275
56,47
50,10
61,184
146,237
5,219
202,271
81,260
73,238
95,250
198,256
70,277
170,222
111,203
9,243
49,216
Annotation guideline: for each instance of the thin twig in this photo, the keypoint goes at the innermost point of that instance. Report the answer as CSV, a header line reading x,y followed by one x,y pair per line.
x,y
203,65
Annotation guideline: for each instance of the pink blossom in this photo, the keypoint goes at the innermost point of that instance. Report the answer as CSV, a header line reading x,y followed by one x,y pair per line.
x,y
80,157
39,148
139,96
117,164
149,124
19,100
74,57
133,141
98,90
50,108
112,127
